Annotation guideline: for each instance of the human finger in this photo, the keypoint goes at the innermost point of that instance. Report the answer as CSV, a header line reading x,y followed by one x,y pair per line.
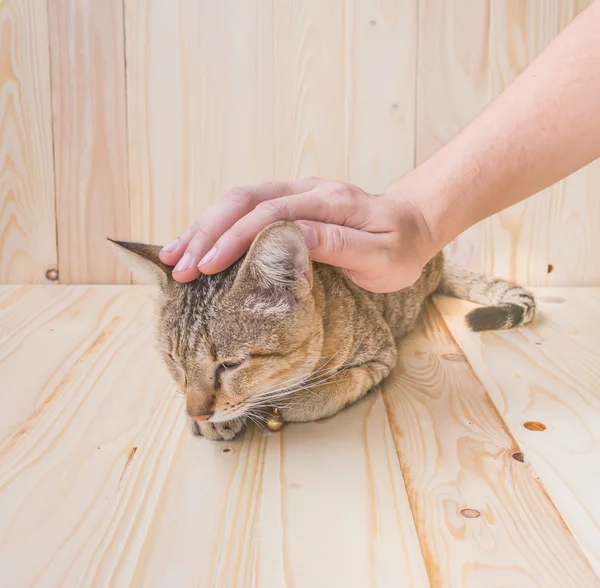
x,y
187,250
315,205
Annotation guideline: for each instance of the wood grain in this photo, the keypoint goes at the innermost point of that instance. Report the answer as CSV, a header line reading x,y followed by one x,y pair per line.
x,y
102,484
381,51
160,108
452,77
518,240
465,59
310,82
573,235
482,517
549,373
359,508
200,107
48,330
254,503
65,460
573,221
90,138
27,214
452,88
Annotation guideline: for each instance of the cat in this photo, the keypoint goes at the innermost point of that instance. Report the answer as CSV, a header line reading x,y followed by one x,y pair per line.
x,y
277,330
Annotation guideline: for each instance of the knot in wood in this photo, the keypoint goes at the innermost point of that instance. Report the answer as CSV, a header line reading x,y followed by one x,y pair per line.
x,y
52,275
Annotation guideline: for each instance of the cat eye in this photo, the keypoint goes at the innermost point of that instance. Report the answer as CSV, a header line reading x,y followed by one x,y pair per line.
x,y
225,367
230,365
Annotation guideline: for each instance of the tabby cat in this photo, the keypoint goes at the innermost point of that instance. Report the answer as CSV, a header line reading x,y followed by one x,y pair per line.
x,y
277,330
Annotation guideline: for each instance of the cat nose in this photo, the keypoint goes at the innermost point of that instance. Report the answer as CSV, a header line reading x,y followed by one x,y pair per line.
x,y
202,416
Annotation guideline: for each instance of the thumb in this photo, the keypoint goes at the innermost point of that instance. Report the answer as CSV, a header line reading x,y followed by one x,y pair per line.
x,y
340,246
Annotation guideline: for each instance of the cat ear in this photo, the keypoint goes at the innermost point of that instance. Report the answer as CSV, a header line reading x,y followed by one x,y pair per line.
x,y
144,258
277,272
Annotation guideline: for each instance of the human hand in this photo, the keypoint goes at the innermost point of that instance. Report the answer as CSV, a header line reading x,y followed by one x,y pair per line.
x,y
381,242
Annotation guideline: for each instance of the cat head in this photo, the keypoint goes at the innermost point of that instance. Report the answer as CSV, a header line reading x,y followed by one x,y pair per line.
x,y
235,340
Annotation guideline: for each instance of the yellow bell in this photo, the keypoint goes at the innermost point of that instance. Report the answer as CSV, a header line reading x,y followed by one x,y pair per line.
x,y
274,420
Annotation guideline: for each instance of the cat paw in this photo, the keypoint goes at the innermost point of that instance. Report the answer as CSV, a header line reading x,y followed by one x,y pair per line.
x,y
217,431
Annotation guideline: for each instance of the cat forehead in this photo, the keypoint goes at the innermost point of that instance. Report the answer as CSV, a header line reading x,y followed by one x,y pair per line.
x,y
200,317
201,294
202,311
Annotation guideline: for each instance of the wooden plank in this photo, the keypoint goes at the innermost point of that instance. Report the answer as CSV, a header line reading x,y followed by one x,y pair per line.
x,y
573,236
452,88
482,517
118,492
65,461
465,59
200,107
42,335
518,240
575,210
381,45
90,137
309,103
27,220
549,373
452,77
250,505
218,487
338,480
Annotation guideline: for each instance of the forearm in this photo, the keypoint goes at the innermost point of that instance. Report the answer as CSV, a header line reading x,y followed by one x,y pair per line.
x,y
543,127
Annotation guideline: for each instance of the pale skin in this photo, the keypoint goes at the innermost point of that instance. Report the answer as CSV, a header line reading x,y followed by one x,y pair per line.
x,y
543,127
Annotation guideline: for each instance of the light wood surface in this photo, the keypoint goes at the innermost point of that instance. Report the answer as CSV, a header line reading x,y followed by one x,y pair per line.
x,y
310,83
101,478
101,483
200,107
519,31
90,137
380,100
27,213
548,239
157,108
482,517
550,374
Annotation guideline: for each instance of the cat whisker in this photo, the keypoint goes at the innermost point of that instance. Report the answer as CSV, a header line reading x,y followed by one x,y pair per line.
x,y
312,378
256,421
300,378
283,385
257,416
310,383
315,375
301,381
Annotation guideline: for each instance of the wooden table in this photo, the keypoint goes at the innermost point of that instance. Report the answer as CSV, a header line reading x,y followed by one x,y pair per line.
x,y
478,465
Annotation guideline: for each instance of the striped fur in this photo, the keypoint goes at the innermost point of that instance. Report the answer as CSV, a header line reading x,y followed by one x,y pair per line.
x,y
275,329
506,305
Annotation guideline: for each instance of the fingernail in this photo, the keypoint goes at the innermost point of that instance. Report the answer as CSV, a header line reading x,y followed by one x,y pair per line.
x,y
310,235
170,247
184,262
208,257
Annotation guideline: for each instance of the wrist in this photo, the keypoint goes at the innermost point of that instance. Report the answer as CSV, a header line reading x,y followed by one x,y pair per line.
x,y
421,203
417,239
447,192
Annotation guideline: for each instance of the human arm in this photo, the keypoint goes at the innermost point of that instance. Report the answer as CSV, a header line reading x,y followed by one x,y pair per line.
x,y
544,126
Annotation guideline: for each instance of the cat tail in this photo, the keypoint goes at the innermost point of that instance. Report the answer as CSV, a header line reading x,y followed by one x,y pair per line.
x,y
506,305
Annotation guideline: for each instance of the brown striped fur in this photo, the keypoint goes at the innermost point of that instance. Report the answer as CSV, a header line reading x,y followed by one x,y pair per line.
x,y
276,329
